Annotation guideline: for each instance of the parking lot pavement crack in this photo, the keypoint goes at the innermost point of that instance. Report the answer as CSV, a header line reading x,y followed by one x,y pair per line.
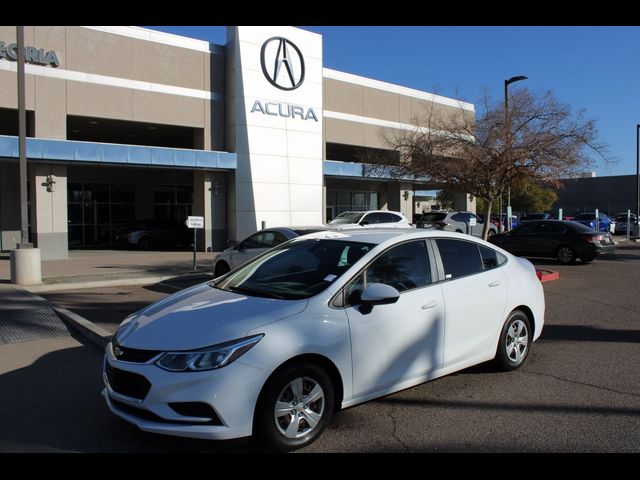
x,y
394,422
583,384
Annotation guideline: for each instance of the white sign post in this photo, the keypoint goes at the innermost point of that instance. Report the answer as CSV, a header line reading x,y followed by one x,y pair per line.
x,y
472,223
195,223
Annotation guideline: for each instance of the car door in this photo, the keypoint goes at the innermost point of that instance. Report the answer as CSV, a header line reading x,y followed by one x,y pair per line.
x,y
475,298
549,236
522,240
371,220
402,341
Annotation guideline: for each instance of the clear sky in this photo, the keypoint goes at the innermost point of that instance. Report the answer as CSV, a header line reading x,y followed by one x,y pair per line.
x,y
592,68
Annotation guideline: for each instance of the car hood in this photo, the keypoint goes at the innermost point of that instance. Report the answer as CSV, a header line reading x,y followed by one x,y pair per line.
x,y
201,316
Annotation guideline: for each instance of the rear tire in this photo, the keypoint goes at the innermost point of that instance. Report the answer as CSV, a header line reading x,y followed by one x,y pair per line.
x,y
515,341
294,407
566,255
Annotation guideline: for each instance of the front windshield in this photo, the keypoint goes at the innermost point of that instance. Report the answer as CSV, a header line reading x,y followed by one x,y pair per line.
x,y
347,217
297,269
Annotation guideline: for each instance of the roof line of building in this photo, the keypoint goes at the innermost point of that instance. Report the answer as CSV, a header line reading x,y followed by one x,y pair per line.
x,y
394,88
160,37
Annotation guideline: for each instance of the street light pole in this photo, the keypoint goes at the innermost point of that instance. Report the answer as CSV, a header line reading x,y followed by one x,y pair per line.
x,y
22,133
637,231
507,141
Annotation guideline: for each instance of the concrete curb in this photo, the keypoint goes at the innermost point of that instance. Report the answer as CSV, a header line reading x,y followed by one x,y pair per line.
x,y
97,335
115,282
547,275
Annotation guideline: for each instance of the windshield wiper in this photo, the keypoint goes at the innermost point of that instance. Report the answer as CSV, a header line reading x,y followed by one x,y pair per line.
x,y
258,293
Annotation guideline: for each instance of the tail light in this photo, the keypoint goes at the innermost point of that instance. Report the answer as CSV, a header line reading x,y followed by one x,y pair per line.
x,y
594,238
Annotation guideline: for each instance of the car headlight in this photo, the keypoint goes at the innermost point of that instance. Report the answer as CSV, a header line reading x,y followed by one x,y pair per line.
x,y
216,356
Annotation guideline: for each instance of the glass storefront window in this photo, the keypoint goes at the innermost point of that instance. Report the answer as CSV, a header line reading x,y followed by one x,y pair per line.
x,y
97,211
339,201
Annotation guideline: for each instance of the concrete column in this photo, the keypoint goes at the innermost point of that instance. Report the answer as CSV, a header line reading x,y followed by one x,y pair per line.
x,y
399,198
49,210
202,182
9,201
406,200
464,201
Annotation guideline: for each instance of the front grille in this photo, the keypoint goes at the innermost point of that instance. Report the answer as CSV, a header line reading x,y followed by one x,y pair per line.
x,y
133,355
127,383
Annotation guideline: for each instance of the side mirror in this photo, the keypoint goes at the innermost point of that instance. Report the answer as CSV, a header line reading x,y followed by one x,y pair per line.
x,y
364,222
236,245
377,294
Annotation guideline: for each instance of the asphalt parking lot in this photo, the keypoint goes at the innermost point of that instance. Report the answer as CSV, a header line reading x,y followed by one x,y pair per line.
x,y
578,392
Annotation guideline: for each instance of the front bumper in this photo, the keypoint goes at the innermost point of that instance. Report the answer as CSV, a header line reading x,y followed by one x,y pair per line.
x,y
231,392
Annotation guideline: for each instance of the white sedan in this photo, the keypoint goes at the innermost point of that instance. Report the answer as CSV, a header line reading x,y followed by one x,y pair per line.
x,y
321,322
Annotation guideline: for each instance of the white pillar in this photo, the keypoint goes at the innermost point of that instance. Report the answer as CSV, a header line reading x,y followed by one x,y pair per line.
x,y
49,210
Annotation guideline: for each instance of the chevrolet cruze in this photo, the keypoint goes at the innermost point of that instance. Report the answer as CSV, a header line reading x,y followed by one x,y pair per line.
x,y
319,323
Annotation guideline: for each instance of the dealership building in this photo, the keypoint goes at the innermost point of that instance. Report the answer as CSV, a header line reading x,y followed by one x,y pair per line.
x,y
127,123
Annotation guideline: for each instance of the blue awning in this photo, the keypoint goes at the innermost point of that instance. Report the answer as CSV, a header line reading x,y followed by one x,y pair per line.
x,y
110,153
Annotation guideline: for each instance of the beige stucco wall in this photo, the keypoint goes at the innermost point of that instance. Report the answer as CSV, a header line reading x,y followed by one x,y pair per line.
x,y
377,104
89,51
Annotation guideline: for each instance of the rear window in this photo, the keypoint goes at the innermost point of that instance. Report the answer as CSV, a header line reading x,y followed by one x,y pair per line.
x,y
580,228
347,217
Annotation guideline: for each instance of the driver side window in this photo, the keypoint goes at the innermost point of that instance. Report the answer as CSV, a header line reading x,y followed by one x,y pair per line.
x,y
404,267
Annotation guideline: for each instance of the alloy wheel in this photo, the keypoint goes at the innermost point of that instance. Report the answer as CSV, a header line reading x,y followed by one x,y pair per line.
x,y
299,407
517,341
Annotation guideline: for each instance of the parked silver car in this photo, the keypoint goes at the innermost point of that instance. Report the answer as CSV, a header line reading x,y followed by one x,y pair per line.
x,y
369,219
621,223
458,221
256,244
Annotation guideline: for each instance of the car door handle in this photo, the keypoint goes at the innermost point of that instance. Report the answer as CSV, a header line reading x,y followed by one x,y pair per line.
x,y
429,305
495,284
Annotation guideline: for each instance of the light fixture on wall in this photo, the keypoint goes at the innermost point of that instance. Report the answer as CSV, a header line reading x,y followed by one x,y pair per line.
x,y
50,182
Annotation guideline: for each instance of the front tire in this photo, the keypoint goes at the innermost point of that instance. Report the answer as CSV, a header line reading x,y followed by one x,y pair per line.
x,y
222,268
515,341
294,407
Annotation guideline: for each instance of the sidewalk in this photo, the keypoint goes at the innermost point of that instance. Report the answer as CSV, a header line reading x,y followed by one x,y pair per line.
x,y
94,268
25,316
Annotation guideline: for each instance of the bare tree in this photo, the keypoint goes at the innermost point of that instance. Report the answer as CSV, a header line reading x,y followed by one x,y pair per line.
x,y
545,141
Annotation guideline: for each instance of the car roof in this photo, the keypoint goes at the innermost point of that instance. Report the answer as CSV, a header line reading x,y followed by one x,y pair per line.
x,y
380,235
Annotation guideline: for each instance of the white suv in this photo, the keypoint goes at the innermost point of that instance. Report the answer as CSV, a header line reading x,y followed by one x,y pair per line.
x,y
370,218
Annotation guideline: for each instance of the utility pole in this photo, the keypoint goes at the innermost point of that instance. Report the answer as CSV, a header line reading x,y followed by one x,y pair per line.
x,y
507,142
22,142
25,261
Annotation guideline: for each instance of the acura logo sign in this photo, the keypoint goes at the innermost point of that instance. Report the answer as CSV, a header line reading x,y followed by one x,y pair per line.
x,y
282,63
